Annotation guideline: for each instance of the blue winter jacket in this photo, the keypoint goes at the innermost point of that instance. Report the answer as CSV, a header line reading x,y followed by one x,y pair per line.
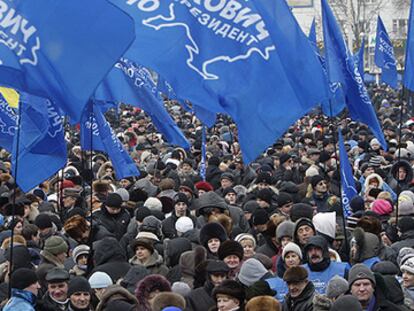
x,y
21,300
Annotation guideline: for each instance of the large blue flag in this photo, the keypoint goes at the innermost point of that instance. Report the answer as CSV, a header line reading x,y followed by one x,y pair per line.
x,y
384,56
90,137
409,53
342,70
132,84
359,58
8,120
348,189
62,49
248,59
41,151
122,162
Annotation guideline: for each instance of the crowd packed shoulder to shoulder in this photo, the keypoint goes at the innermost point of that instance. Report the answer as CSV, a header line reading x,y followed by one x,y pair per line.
x,y
265,236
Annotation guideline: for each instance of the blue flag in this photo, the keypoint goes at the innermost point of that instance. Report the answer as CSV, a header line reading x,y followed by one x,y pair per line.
x,y
122,162
242,58
409,53
384,56
90,137
8,120
348,189
312,33
132,83
42,147
62,49
359,58
342,70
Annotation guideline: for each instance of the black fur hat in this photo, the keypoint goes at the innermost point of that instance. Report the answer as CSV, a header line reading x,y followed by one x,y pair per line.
x,y
230,288
210,231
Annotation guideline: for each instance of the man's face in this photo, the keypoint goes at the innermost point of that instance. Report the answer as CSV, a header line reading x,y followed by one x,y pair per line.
x,y
226,183
315,255
285,209
217,278
363,290
321,187
262,185
304,234
226,303
186,168
369,171
80,300
113,210
180,209
68,201
58,291
125,183
231,197
402,173
296,288
262,203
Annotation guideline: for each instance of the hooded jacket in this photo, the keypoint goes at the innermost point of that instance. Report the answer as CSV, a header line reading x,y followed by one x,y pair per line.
x,y
21,300
404,184
119,297
154,264
116,224
368,246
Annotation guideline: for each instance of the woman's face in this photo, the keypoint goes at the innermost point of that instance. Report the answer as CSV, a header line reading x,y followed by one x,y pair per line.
x,y
248,248
18,228
226,303
408,279
142,253
232,261
292,260
213,245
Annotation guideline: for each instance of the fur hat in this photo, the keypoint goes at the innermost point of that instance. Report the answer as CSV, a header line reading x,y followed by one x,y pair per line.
x,y
150,284
360,272
301,210
292,247
263,303
212,230
295,274
259,288
265,195
230,247
168,299
230,288
370,224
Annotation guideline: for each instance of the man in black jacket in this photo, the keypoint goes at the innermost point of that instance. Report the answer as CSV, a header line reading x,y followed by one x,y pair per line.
x,y
301,290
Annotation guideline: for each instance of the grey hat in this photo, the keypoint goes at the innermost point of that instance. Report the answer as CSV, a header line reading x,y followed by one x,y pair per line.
x,y
57,275
81,249
336,287
360,272
251,271
285,228
346,303
404,254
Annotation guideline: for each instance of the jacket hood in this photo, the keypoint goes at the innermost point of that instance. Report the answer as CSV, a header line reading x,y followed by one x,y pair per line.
x,y
372,176
408,168
108,250
116,292
210,200
368,245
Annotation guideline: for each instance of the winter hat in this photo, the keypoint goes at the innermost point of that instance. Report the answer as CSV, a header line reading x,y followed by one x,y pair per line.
x,y
204,185
408,266
260,217
227,175
81,249
22,278
229,190
315,180
184,224
345,303
57,275
336,287
259,288
212,230
216,266
283,198
21,256
250,206
325,223
181,197
144,242
405,224
141,213
266,261
228,248
55,245
385,268
295,274
246,236
43,221
172,309
181,288
230,288
263,303
265,195
406,208
381,207
301,210
404,254
284,158
251,271
78,284
357,204
263,177
292,247
167,299
100,280
151,224
114,200
123,193
153,204
360,272
135,274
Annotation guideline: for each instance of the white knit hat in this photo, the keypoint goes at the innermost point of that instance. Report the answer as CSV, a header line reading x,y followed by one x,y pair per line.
x,y
246,236
408,266
100,280
292,247
184,224
81,249
153,204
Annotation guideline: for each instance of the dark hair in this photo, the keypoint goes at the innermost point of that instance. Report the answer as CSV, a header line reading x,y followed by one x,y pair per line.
x,y
29,231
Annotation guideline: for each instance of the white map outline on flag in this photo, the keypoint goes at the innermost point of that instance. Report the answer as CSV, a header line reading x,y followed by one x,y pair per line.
x,y
194,48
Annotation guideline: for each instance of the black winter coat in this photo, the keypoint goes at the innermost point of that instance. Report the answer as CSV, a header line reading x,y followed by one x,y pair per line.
x,y
116,224
168,225
200,298
302,303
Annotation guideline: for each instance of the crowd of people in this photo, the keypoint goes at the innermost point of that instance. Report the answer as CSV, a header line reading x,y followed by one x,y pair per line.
x,y
218,234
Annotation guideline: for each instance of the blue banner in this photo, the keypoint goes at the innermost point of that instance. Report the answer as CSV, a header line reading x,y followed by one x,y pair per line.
x,y
235,57
8,120
62,49
342,70
409,53
359,58
384,56
348,190
89,130
132,84
42,148
123,164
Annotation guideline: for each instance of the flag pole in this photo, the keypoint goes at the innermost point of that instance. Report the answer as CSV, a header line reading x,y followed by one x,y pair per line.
x,y
13,211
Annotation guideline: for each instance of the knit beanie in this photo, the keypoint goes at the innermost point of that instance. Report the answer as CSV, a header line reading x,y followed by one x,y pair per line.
x,y
406,208
265,195
404,254
245,236
100,280
22,278
260,217
141,213
405,224
81,249
408,266
184,224
181,197
153,204
55,245
251,271
315,180
357,204
292,247
301,210
346,303
43,221
285,229
78,284
381,207
114,200
336,287
228,248
360,272
123,193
